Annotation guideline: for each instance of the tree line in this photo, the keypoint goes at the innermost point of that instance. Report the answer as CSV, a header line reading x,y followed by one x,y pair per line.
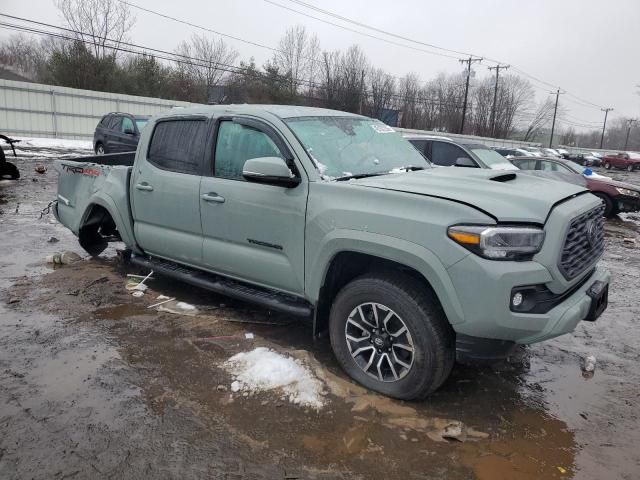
x,y
203,69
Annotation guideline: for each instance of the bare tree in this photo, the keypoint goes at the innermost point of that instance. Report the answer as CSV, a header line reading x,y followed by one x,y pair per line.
x,y
203,62
354,66
24,54
541,117
331,82
382,87
296,56
102,24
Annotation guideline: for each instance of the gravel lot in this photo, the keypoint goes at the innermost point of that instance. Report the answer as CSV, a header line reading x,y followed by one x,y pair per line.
x,y
95,385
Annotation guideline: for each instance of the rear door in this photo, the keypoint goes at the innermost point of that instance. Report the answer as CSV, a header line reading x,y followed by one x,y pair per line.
x,y
165,190
111,134
253,232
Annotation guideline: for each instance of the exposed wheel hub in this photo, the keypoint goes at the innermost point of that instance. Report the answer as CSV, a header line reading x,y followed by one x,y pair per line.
x,y
379,342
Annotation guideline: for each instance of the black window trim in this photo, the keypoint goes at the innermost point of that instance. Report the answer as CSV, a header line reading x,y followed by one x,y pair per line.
x,y
256,124
207,149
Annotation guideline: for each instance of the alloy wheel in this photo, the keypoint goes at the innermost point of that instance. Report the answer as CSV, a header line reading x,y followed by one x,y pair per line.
x,y
379,342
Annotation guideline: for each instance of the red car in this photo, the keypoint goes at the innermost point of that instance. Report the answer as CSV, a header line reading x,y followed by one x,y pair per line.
x,y
626,161
616,196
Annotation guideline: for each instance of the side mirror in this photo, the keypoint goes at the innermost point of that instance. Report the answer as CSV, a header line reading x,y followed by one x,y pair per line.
x,y
270,170
128,131
465,162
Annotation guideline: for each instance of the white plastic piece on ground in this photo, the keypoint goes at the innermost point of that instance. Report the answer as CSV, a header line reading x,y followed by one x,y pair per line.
x,y
138,293
249,336
185,306
263,370
590,363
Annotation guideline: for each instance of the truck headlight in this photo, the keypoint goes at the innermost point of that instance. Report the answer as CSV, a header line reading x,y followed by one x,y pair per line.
x,y
499,243
627,192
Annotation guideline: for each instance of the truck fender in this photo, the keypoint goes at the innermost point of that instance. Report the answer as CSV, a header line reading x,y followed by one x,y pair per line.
x,y
405,253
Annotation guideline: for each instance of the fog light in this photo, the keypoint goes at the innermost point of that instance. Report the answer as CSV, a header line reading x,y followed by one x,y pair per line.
x,y
516,300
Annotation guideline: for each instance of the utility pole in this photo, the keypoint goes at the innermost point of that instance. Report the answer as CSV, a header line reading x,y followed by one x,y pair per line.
x,y
495,97
555,112
606,112
468,61
630,121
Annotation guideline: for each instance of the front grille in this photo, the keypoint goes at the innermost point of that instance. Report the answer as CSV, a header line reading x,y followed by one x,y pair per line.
x,y
584,243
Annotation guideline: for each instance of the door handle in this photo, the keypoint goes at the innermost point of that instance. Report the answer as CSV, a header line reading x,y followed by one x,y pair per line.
x,y
212,197
144,187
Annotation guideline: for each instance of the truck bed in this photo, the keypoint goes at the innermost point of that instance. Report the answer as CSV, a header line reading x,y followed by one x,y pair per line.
x,y
124,158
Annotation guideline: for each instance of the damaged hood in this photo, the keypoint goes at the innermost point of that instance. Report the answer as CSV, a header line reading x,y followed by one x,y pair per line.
x,y
505,195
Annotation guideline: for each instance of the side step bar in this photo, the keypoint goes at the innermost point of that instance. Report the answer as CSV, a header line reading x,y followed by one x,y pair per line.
x,y
230,288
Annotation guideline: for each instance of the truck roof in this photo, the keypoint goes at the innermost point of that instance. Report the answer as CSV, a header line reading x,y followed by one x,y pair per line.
x,y
281,111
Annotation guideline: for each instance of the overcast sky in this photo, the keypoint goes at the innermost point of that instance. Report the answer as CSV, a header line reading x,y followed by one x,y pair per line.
x,y
587,47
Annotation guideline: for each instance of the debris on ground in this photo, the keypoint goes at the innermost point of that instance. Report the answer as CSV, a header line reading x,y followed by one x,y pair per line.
x,y
249,336
64,258
40,169
589,366
53,240
178,308
137,293
264,370
163,299
133,284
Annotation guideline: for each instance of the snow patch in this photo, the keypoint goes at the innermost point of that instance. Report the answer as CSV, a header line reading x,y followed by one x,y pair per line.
x,y
263,370
54,143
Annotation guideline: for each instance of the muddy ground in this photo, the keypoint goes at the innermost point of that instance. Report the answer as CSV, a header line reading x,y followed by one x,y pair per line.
x,y
95,385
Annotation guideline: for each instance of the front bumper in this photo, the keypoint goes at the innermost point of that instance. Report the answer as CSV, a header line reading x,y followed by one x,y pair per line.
x,y
484,290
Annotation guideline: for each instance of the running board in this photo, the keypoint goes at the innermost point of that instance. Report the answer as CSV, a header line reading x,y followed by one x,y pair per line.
x,y
224,286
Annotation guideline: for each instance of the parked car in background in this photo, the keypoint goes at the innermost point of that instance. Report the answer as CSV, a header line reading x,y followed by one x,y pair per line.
x,y
511,152
550,152
626,161
118,132
585,159
563,153
447,153
535,151
616,196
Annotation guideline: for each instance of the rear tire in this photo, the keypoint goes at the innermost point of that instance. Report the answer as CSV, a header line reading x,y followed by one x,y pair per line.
x,y
100,149
607,165
630,168
609,208
385,365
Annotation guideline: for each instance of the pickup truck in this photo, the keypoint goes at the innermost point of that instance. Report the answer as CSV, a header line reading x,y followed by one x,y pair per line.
x,y
624,161
335,217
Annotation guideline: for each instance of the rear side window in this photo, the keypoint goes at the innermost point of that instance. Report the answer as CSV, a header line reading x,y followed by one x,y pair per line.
x,y
446,154
127,124
114,122
178,146
105,120
238,143
421,145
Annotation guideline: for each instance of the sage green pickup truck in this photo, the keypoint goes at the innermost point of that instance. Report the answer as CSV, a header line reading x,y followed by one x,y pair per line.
x,y
335,217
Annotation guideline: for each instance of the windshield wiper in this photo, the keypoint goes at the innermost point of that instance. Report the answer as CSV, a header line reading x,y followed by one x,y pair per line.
x,y
409,168
359,175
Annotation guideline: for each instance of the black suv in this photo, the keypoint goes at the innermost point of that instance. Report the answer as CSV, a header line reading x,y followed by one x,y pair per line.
x,y
118,132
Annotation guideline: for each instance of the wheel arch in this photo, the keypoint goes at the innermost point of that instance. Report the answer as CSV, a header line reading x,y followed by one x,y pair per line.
x,y
100,211
343,259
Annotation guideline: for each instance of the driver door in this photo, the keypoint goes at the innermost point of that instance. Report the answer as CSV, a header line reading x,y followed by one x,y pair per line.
x,y
252,231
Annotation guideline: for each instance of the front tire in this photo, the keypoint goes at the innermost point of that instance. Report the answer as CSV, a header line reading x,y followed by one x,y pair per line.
x,y
630,168
390,334
607,165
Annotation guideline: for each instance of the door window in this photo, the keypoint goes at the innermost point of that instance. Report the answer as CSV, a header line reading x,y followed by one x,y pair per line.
x,y
550,167
421,146
446,154
178,146
114,122
127,124
238,143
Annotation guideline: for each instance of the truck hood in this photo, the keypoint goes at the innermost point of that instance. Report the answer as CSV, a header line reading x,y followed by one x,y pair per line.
x,y
507,196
